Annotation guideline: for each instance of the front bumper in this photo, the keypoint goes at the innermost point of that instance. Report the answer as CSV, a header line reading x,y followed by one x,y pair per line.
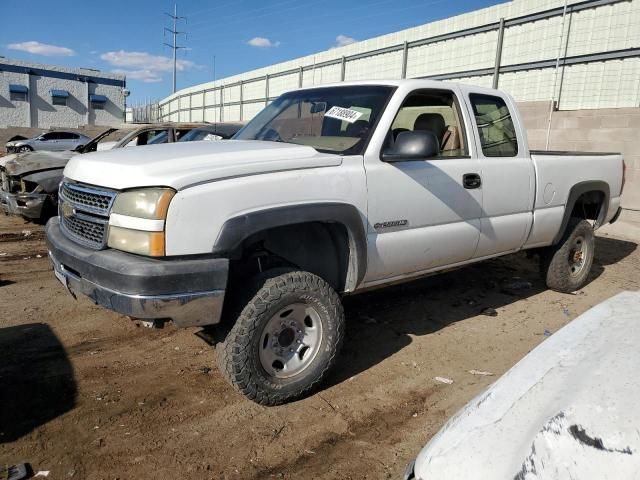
x,y
188,291
26,204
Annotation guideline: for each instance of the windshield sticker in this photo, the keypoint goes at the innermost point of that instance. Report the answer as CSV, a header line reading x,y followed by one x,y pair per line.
x,y
345,114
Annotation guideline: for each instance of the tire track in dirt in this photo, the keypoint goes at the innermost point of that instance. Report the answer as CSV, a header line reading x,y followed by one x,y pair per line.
x,y
379,426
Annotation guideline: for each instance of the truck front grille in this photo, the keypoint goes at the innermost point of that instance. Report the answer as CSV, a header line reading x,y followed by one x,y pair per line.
x,y
87,232
84,213
88,198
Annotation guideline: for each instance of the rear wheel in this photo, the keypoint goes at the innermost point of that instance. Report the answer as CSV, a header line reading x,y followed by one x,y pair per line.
x,y
566,266
285,340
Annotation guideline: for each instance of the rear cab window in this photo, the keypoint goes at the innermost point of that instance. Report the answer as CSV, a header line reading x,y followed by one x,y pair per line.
x,y
496,130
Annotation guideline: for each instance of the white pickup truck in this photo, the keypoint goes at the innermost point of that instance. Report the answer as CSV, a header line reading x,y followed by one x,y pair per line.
x,y
329,190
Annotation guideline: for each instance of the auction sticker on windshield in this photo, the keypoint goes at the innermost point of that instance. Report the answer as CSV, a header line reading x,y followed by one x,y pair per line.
x,y
345,114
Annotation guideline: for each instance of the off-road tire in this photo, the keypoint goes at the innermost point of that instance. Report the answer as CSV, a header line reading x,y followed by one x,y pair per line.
x,y
238,354
555,263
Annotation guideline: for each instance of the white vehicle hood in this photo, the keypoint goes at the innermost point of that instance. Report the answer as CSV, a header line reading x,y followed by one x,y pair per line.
x,y
179,165
568,410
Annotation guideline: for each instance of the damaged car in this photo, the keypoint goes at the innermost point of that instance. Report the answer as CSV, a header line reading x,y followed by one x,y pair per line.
x,y
29,181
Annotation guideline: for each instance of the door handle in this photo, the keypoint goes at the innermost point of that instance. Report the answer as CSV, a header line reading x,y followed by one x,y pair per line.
x,y
471,180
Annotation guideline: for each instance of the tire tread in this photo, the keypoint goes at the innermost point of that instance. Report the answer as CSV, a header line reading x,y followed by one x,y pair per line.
x,y
234,353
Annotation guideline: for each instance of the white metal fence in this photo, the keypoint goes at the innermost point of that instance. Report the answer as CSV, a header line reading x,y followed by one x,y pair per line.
x,y
597,43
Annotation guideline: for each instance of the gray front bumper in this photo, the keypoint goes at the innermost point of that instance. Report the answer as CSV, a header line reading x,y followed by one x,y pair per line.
x,y
188,291
26,204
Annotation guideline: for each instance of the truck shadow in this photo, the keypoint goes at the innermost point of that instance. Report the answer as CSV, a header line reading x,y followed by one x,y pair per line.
x,y
380,323
37,381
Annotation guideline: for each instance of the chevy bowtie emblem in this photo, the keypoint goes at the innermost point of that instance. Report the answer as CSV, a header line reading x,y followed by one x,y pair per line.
x,y
67,210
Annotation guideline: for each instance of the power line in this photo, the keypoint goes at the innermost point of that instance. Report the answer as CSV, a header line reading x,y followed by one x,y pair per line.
x,y
175,47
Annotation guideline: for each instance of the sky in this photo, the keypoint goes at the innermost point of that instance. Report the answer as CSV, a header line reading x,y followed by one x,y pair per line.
x,y
128,36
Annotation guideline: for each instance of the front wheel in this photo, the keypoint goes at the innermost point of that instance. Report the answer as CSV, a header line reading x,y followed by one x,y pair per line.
x,y
285,340
25,149
565,267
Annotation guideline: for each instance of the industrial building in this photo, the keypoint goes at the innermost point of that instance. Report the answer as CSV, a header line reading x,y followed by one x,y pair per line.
x,y
584,58
44,96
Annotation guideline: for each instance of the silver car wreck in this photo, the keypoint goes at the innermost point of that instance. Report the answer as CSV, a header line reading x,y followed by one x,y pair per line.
x,y
55,141
30,185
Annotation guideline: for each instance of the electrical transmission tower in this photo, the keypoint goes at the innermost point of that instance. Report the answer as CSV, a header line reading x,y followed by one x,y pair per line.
x,y
175,47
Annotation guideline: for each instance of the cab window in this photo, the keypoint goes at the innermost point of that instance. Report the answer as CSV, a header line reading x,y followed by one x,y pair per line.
x,y
148,137
435,111
49,136
495,126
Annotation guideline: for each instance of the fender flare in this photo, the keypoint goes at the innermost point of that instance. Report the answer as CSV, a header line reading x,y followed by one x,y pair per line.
x,y
237,229
578,190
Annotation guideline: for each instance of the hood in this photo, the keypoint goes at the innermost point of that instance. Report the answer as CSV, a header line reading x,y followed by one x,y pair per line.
x,y
7,158
179,165
567,410
21,163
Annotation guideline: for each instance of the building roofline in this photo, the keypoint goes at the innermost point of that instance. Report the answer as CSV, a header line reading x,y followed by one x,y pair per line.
x,y
63,73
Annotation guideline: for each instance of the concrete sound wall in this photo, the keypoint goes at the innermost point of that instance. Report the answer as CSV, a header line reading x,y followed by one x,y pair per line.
x,y
602,130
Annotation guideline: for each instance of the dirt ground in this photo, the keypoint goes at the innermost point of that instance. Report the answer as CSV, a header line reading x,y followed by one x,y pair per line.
x,y
87,394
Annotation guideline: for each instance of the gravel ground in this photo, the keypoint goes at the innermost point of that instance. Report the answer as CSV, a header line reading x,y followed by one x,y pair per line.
x,y
88,394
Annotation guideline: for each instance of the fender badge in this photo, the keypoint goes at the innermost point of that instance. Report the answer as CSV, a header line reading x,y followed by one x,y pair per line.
x,y
391,224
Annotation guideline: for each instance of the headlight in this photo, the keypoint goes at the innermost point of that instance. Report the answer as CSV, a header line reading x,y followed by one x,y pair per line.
x,y
137,241
151,203
136,224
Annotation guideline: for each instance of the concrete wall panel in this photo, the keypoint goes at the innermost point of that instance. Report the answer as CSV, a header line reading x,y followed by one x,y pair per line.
x,y
282,84
388,65
253,90
457,55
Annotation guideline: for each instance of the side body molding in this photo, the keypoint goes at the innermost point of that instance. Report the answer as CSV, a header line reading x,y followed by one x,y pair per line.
x,y
576,191
237,229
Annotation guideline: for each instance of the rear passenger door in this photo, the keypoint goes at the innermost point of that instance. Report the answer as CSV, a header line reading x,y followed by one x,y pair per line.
x,y
67,140
506,172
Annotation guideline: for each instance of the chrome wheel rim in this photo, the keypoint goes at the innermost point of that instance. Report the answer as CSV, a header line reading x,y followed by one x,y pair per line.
x,y
290,340
578,255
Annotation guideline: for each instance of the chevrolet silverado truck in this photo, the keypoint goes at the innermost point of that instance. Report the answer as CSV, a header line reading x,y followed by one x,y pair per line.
x,y
328,191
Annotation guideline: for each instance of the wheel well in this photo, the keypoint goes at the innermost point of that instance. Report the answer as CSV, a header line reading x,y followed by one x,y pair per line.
x,y
588,205
316,247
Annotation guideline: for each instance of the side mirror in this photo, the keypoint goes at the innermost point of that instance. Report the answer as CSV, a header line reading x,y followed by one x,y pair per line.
x,y
416,145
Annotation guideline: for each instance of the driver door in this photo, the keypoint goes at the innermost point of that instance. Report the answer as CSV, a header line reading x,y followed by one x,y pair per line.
x,y
422,216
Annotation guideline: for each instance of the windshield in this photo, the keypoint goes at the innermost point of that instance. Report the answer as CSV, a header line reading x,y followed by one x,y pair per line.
x,y
331,119
199,134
